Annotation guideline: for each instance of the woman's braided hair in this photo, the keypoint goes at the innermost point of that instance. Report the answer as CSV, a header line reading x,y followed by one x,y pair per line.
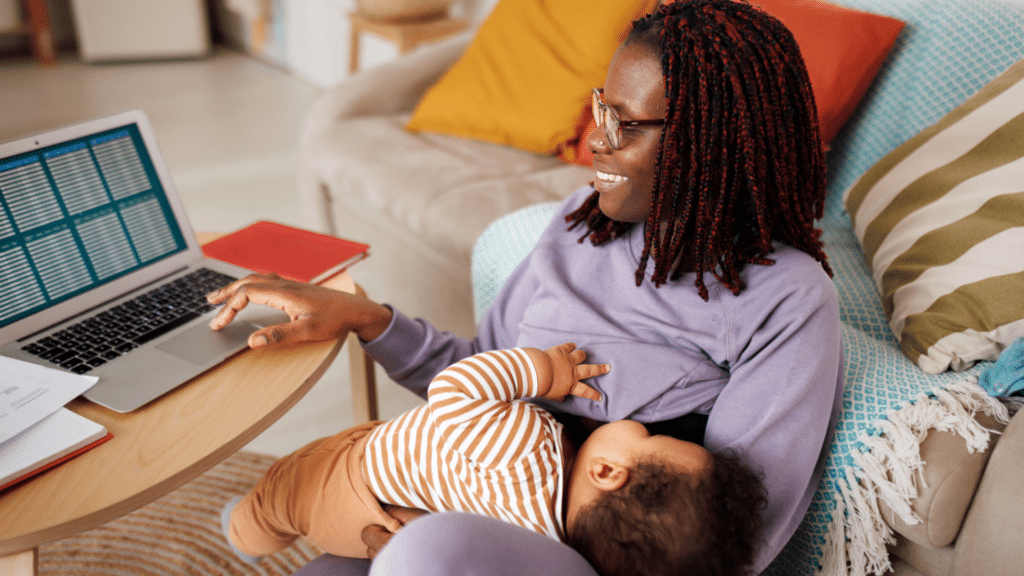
x,y
741,161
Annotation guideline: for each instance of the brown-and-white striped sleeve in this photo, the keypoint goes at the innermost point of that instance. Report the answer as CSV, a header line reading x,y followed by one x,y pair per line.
x,y
474,448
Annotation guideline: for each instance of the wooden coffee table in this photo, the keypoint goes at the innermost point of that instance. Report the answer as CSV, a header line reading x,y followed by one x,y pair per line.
x,y
164,444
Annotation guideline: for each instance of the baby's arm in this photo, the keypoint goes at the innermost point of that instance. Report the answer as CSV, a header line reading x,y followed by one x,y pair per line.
x,y
485,385
560,370
472,402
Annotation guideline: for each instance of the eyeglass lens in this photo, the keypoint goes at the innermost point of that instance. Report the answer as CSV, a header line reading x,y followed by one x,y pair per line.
x,y
605,117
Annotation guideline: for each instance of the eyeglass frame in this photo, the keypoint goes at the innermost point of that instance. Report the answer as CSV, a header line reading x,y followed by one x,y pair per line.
x,y
600,110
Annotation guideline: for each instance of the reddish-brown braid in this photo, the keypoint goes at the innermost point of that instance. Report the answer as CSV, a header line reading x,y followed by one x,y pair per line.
x,y
741,162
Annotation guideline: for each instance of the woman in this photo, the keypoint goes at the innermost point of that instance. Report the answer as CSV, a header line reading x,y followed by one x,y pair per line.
x,y
691,265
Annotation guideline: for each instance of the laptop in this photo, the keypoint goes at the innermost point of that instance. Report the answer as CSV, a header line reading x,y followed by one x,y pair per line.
x,y
100,270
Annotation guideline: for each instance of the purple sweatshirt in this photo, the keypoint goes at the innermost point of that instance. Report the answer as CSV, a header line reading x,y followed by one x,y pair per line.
x,y
765,365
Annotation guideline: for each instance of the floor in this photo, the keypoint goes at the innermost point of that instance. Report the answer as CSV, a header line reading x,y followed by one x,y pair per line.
x,y
228,127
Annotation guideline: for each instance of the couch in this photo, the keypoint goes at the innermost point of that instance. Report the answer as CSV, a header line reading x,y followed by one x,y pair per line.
x,y
448,218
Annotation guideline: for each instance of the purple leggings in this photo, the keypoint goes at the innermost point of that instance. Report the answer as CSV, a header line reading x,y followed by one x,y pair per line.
x,y
460,544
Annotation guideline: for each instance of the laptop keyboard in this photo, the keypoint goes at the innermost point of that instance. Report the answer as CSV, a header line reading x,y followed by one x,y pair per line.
x,y
97,340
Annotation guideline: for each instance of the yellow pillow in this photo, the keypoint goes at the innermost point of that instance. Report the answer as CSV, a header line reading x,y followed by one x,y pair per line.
x,y
527,75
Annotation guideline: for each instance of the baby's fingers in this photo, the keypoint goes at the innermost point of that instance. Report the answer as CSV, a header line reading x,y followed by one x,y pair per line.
x,y
584,371
577,355
583,391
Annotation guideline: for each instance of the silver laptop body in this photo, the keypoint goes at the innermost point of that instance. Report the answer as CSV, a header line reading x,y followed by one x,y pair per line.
x,y
90,219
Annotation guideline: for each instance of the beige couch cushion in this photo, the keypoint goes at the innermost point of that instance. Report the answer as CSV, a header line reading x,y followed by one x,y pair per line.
x,y
444,190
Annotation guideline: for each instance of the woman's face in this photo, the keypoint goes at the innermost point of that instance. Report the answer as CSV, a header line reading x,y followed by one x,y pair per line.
x,y
635,89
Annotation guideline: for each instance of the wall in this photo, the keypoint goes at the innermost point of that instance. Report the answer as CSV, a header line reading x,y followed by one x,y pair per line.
x,y
311,37
308,37
10,14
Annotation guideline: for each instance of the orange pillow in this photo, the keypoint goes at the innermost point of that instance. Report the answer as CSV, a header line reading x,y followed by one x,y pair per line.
x,y
843,49
527,74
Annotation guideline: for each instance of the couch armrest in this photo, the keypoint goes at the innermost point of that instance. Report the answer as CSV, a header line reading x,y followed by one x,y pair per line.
x,y
396,86
951,476
991,541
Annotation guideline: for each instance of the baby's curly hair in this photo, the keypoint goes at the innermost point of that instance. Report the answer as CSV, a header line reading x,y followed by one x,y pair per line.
x,y
667,522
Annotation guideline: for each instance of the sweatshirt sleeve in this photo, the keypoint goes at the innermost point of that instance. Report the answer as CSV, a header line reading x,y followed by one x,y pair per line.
x,y
782,401
413,351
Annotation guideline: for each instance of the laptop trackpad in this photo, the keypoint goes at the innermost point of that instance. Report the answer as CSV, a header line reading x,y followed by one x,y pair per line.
x,y
202,346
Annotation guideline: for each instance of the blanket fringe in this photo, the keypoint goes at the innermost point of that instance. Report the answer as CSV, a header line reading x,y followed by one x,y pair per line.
x,y
887,468
833,559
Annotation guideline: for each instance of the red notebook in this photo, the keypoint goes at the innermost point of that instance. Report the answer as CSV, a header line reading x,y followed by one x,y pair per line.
x,y
293,253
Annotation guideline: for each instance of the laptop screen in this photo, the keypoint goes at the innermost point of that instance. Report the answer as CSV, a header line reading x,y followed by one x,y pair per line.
x,y
76,215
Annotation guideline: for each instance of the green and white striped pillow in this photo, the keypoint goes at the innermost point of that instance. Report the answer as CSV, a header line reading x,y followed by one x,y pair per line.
x,y
941,222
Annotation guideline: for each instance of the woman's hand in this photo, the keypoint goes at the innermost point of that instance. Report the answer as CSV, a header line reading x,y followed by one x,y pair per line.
x,y
316,313
560,370
376,536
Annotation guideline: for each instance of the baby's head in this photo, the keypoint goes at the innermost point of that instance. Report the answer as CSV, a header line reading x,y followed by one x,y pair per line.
x,y
657,505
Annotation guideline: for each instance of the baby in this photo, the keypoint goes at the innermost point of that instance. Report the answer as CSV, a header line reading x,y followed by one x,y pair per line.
x,y
624,499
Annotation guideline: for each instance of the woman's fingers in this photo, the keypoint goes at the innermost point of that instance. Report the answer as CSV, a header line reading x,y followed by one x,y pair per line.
x,y
375,537
278,333
316,312
221,295
297,300
255,288
404,514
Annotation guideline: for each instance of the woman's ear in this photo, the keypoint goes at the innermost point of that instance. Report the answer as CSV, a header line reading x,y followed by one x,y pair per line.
x,y
607,475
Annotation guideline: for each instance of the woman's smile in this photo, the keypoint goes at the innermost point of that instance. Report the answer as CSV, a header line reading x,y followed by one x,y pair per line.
x,y
610,178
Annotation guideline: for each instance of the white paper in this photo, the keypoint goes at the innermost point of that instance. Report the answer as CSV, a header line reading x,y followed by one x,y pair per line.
x,y
29,393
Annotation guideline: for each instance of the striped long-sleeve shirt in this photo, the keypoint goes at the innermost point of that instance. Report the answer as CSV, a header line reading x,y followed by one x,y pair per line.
x,y
474,448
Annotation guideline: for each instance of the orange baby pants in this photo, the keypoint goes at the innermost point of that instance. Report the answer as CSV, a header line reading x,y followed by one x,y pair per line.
x,y
317,492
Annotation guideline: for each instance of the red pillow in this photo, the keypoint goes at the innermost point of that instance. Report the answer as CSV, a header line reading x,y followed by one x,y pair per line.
x,y
576,151
842,47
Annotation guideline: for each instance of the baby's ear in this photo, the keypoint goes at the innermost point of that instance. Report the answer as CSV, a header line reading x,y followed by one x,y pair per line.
x,y
607,475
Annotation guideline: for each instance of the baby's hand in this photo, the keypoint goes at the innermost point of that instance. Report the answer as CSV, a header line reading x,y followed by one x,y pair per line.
x,y
565,370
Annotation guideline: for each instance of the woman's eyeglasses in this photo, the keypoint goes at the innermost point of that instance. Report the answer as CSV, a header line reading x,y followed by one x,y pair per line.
x,y
606,117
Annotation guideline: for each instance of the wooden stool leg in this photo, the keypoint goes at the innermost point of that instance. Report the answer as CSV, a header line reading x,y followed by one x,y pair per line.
x,y
353,48
364,382
406,43
363,376
20,564
42,35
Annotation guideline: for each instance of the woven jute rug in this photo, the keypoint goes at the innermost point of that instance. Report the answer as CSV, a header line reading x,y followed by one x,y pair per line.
x,y
177,535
